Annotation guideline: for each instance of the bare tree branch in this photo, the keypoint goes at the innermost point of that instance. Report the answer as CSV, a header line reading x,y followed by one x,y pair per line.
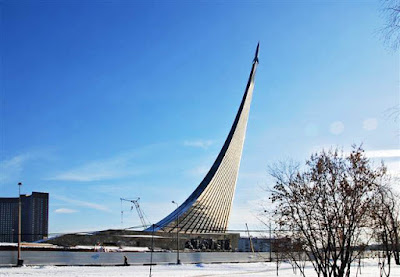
x,y
327,208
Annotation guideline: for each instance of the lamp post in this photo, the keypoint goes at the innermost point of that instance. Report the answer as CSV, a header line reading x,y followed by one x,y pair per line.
x,y
178,261
270,242
19,262
152,249
270,238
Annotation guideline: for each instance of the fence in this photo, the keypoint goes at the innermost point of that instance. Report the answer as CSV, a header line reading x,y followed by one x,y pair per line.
x,y
117,258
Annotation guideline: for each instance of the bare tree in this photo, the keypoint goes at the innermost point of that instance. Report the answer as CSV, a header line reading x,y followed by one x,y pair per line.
x,y
385,216
327,207
393,113
391,30
391,36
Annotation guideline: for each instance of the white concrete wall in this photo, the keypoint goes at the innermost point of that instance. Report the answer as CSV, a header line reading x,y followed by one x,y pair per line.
x,y
115,258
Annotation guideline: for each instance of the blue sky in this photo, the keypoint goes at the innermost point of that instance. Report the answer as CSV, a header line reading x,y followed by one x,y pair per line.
x,y
134,99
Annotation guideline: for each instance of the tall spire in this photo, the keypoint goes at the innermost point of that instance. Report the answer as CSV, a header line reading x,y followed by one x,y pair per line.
x,y
256,55
208,208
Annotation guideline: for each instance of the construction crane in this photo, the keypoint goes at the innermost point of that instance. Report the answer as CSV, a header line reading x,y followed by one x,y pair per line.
x,y
135,202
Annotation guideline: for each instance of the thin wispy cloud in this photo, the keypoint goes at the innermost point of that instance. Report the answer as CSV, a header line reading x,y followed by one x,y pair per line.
x,y
198,143
10,169
65,211
391,159
380,153
114,168
384,153
85,204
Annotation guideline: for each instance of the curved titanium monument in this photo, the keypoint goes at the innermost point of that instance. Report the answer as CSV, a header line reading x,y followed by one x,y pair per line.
x,y
208,208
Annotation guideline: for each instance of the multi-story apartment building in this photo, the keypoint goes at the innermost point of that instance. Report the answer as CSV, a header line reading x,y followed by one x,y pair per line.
x,y
34,217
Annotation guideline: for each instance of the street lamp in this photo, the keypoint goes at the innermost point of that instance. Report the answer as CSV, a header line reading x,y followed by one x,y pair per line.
x,y
178,261
19,262
270,238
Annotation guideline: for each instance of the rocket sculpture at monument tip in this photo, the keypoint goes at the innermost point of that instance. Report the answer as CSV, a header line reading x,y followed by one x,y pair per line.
x,y
208,208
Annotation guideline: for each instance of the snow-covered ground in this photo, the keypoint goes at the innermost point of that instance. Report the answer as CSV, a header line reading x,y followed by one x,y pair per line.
x,y
369,269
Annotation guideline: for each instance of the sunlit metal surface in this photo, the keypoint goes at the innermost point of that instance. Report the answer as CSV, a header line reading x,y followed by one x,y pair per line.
x,y
208,208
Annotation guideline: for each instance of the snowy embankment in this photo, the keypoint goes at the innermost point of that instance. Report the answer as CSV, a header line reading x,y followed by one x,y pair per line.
x,y
369,268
